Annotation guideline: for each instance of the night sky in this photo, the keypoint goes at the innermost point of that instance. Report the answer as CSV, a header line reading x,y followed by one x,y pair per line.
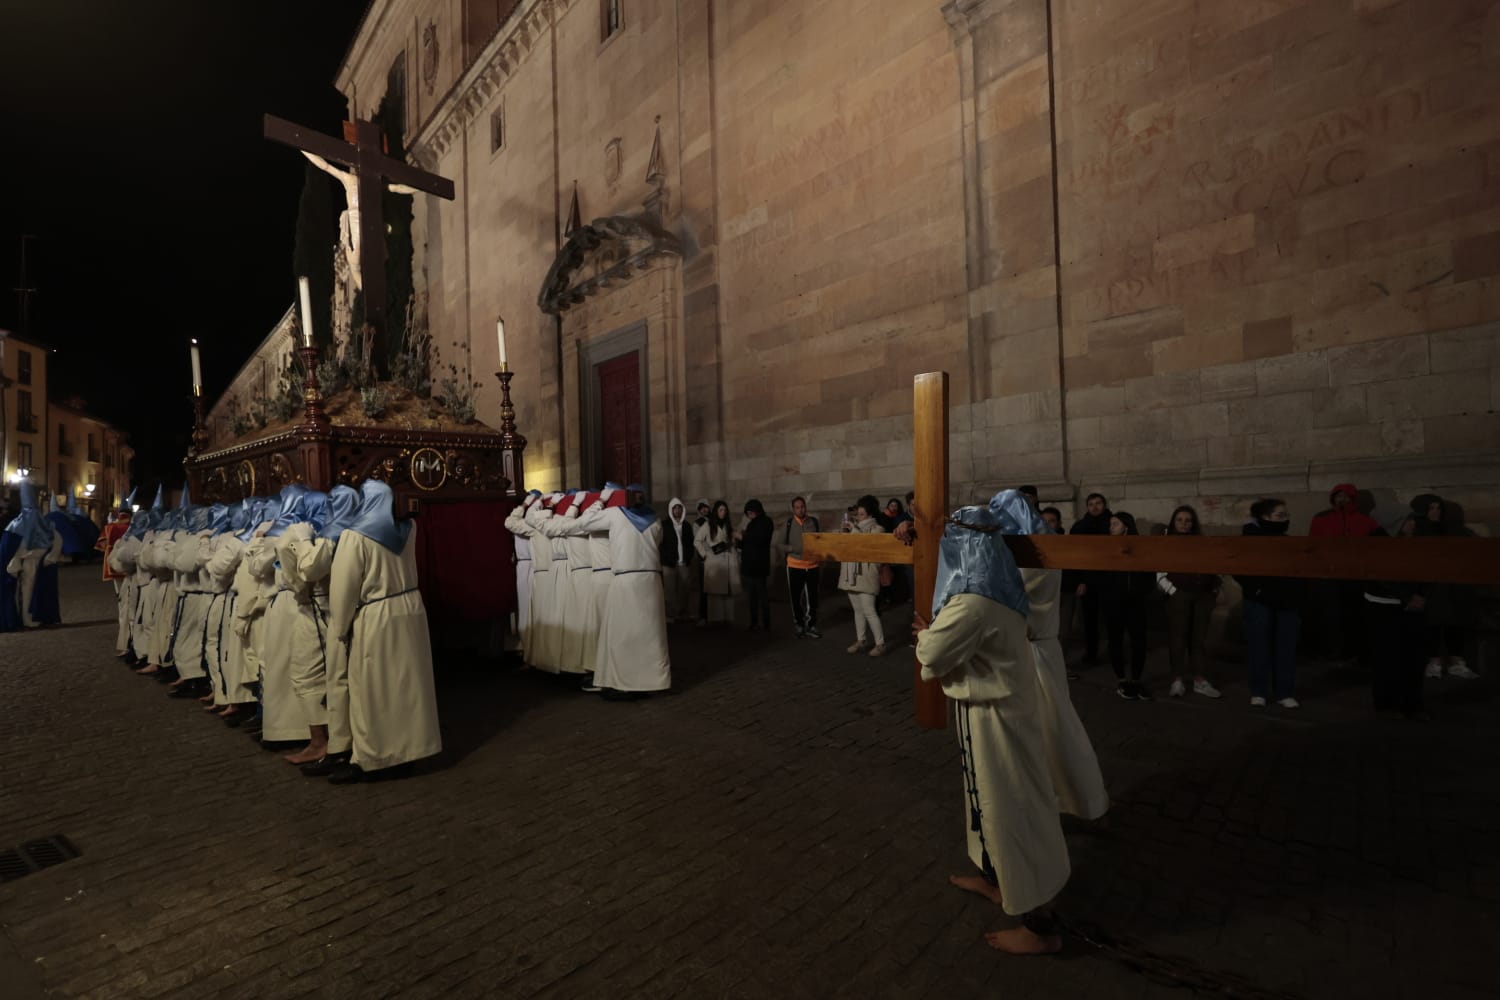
x,y
131,149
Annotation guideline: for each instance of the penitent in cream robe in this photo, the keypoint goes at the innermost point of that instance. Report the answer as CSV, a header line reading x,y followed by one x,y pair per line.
x,y
977,649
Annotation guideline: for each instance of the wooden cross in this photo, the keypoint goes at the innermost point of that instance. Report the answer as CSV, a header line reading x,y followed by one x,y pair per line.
x,y
1423,560
373,169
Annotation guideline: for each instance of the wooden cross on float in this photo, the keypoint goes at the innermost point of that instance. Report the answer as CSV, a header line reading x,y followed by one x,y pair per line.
x,y
364,154
1419,560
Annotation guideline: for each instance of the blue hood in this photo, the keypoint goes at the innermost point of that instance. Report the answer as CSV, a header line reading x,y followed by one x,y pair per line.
x,y
976,560
219,517
343,505
292,509
376,517
33,528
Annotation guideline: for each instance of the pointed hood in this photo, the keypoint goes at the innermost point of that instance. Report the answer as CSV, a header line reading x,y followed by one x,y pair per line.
x,y
291,509
159,503
376,517
33,528
186,500
973,557
128,503
73,505
343,504
219,518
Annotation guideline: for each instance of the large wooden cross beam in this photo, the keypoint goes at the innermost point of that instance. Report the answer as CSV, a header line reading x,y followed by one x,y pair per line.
x,y
371,170
1424,560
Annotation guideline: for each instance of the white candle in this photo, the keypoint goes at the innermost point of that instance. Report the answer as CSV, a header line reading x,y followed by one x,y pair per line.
x,y
302,293
500,336
197,370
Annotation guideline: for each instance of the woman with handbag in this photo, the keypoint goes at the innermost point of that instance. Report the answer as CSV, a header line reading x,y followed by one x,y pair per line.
x,y
861,581
721,563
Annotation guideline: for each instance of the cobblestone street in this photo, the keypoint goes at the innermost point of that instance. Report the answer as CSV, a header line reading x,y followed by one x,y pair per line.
x,y
777,827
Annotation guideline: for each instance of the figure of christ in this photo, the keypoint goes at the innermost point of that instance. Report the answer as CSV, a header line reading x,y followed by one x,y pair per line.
x,y
349,218
976,646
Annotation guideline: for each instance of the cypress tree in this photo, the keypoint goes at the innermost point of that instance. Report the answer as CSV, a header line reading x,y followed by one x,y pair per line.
x,y
312,253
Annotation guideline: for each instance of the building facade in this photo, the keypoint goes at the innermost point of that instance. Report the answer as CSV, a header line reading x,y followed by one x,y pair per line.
x,y
1167,250
23,415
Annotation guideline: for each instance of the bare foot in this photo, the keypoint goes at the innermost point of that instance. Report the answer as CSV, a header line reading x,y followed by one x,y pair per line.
x,y
1024,941
307,754
208,700
977,884
148,670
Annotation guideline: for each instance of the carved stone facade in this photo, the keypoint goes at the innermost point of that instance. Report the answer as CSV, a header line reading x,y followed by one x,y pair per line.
x,y
1172,251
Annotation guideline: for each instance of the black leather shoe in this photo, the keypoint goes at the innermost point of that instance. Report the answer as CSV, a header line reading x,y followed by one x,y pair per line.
x,y
195,688
346,774
164,675
325,765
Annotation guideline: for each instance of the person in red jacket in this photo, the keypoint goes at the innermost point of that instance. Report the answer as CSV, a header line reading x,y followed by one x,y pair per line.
x,y
1337,605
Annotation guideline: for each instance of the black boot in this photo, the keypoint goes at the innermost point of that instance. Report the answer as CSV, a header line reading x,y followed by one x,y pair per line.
x,y
325,765
346,774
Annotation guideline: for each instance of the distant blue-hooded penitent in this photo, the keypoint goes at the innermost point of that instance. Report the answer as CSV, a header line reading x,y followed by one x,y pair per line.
x,y
292,509
235,520
315,509
343,505
159,502
128,504
219,516
976,560
34,530
186,500
376,517
258,510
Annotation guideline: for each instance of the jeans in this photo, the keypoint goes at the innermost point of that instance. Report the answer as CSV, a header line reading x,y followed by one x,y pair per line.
x,y
1188,615
1121,618
677,583
1091,624
802,586
760,601
865,616
1271,635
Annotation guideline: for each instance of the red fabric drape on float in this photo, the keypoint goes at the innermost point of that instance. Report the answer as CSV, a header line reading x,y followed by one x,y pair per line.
x,y
464,561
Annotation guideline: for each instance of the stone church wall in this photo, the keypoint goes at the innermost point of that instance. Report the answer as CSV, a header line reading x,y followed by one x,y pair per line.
x,y
1270,262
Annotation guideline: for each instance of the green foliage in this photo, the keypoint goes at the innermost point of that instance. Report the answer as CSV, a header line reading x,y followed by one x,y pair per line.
x,y
332,378
458,393
411,368
374,400
288,401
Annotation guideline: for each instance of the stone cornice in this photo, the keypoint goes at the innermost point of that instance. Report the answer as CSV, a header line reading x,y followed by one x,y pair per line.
x,y
377,12
527,25
963,15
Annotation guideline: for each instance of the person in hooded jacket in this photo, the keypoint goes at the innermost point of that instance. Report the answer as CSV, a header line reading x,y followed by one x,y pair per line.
x,y
1449,607
754,541
677,554
1335,607
1122,601
1273,615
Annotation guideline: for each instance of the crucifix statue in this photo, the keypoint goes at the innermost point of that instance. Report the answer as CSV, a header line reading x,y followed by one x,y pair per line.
x,y
365,171
1432,560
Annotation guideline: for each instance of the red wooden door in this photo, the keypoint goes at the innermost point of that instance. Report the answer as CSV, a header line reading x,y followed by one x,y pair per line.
x,y
620,419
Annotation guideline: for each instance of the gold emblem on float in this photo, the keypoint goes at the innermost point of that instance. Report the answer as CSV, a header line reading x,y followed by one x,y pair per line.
x,y
428,470
244,475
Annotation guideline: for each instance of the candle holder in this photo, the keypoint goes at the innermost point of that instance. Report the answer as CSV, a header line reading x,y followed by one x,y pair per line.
x,y
312,398
512,444
200,431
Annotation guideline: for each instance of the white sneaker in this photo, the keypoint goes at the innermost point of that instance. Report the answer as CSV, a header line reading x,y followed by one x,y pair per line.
x,y
1206,689
1458,668
879,649
1289,703
1434,667
856,647
1257,702
1177,690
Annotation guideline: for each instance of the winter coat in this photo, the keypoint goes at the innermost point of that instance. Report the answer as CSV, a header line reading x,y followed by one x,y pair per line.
x,y
1345,522
673,542
1448,604
755,548
1086,525
862,578
1280,592
721,570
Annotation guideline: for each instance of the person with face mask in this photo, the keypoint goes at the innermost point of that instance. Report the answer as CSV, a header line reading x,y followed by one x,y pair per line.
x,y
1273,616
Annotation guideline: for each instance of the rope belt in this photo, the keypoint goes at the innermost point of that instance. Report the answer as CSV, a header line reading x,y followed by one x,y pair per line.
x,y
627,572
387,597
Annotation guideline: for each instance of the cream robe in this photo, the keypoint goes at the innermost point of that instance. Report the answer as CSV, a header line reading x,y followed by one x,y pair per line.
x,y
382,703
602,577
548,584
308,561
25,564
634,631
142,616
281,714
122,556
245,612
1070,755
580,637
977,649
164,619
515,523
189,554
223,646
